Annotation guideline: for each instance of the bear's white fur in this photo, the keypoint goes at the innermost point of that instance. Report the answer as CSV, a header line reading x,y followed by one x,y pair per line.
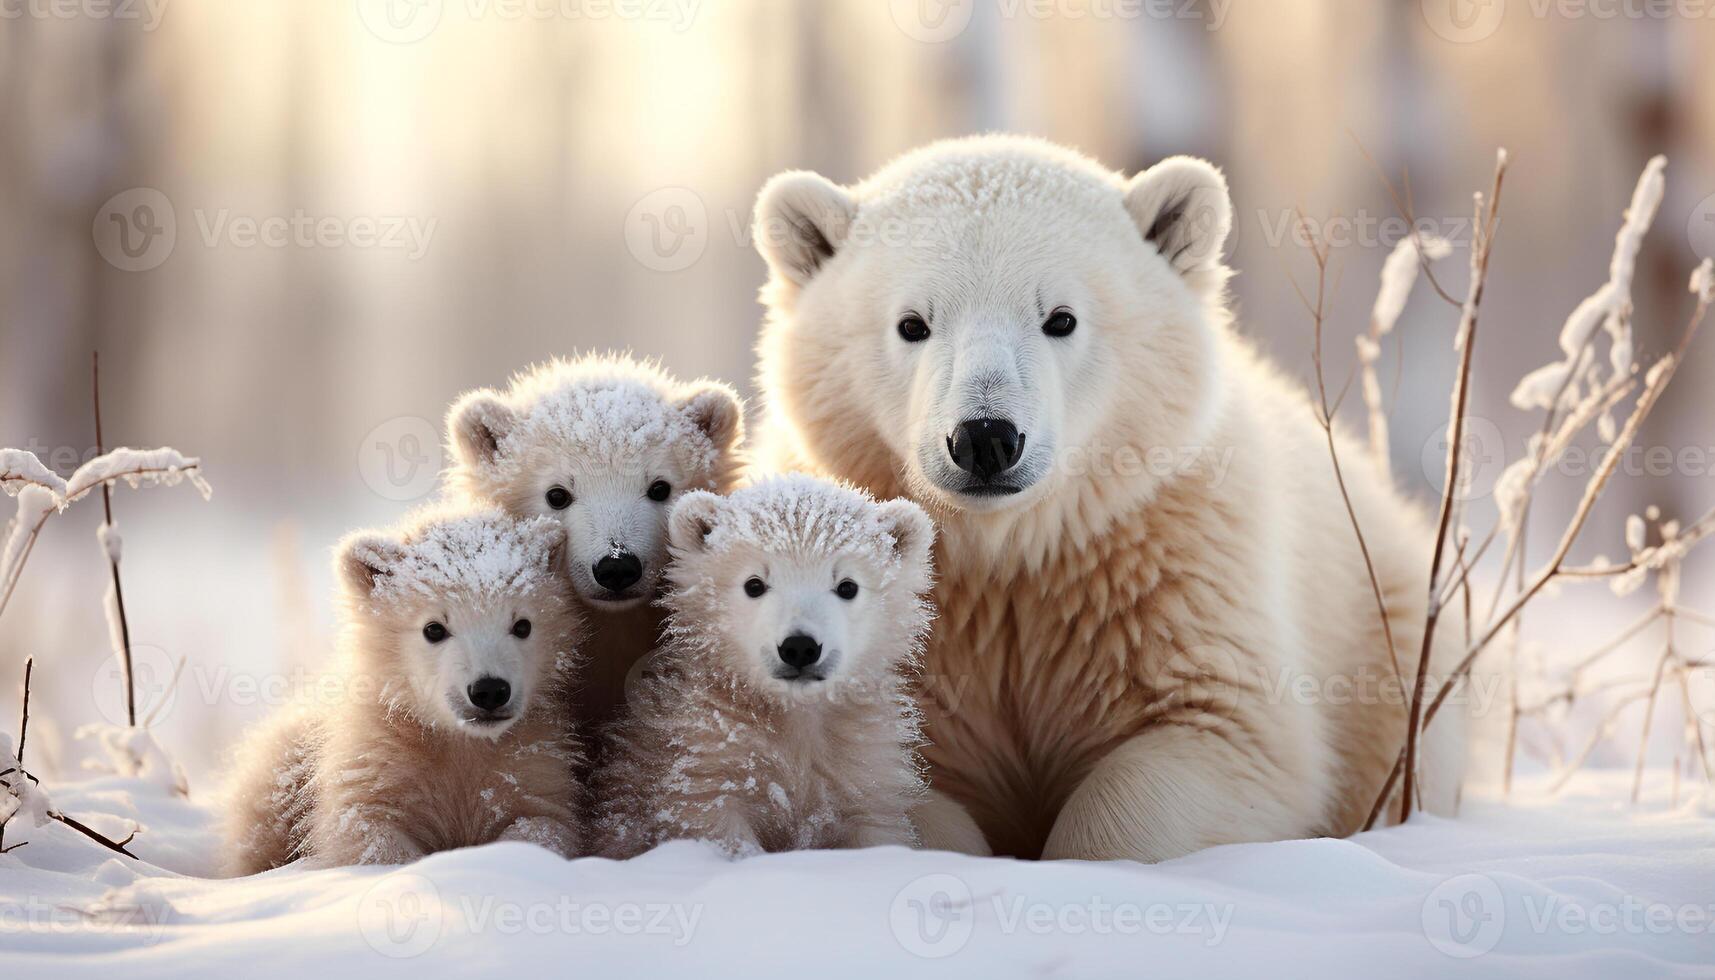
x,y
399,761
1129,616
735,737
604,429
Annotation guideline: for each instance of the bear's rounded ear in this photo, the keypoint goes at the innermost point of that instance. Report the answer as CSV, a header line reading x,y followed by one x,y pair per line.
x,y
693,517
912,531
715,409
1181,206
364,557
802,219
476,424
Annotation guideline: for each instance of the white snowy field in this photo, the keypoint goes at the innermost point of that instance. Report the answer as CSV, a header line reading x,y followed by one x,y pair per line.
x,y
1581,886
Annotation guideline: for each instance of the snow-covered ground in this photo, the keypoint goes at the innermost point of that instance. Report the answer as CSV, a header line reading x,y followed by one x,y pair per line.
x,y
1582,886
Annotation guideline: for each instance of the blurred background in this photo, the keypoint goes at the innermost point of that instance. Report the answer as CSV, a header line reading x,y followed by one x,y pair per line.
x,y
296,229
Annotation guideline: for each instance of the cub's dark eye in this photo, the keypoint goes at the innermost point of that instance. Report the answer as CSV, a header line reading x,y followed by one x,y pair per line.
x,y
435,632
559,498
912,328
847,589
521,629
1060,323
660,490
754,587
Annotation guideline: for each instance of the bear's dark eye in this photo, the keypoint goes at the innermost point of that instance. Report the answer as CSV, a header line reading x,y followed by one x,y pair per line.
x,y
434,632
1060,323
847,589
754,587
660,490
912,328
559,498
521,629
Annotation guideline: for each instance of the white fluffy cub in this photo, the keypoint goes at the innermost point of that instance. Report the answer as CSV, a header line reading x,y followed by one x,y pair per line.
x,y
776,715
604,444
449,724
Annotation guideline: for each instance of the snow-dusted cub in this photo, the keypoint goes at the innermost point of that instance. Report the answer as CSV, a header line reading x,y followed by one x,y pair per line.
x,y
1155,629
775,718
450,722
604,444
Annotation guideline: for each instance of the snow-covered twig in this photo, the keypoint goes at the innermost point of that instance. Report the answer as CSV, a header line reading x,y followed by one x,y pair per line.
x,y
1575,392
22,793
1656,381
38,502
118,626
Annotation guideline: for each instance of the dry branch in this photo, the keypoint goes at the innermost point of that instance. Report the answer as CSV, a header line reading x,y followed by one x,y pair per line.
x,y
112,554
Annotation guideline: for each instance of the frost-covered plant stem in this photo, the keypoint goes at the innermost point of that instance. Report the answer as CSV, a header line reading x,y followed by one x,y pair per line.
x,y
1665,561
1655,383
40,499
110,545
19,772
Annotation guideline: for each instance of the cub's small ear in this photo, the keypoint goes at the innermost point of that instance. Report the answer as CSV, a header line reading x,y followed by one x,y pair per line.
x,y
693,517
364,557
476,424
802,219
1182,207
716,410
912,530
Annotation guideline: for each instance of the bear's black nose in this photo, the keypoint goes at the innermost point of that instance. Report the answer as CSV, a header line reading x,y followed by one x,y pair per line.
x,y
986,448
800,651
489,693
618,571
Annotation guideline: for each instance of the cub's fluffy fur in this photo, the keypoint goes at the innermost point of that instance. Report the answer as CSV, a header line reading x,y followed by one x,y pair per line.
x,y
404,760
602,430
1150,601
738,737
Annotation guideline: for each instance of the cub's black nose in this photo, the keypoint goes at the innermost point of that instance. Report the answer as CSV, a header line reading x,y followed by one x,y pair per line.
x,y
985,448
800,651
489,693
618,571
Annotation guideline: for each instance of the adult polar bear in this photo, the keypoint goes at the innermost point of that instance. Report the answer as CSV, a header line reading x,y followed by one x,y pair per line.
x,y
1155,630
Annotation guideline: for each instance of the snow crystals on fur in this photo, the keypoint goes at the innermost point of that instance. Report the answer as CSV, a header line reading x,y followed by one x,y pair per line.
x,y
799,514
612,406
476,550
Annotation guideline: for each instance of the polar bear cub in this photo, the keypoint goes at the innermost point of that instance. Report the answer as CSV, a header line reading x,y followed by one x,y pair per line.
x,y
603,444
449,724
776,716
